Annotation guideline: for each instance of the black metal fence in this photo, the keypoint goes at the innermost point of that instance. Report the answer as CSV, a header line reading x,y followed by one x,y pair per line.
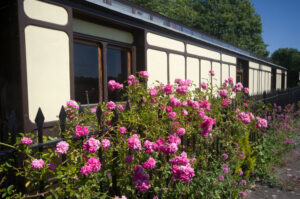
x,y
280,97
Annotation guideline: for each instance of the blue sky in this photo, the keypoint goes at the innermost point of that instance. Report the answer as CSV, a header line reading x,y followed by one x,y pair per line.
x,y
281,23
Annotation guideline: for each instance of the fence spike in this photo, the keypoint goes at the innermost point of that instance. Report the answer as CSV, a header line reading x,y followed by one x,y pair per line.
x,y
39,120
12,126
116,116
99,114
80,109
128,107
62,119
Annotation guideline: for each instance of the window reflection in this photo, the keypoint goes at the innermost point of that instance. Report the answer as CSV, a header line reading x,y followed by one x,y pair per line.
x,y
86,73
117,69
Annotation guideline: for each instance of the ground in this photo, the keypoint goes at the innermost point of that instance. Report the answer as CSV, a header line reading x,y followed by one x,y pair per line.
x,y
288,175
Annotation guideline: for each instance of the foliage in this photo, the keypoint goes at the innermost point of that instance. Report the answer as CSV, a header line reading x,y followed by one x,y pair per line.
x,y
233,21
198,138
289,58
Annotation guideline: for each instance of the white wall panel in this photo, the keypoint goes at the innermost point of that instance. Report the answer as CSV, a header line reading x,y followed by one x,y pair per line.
x,y
205,68
233,73
285,80
225,72
164,42
97,30
253,65
278,81
193,70
196,50
157,66
177,67
228,58
217,78
251,87
45,12
255,82
48,70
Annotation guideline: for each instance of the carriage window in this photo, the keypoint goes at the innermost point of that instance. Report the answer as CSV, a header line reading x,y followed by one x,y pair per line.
x,y
86,73
117,69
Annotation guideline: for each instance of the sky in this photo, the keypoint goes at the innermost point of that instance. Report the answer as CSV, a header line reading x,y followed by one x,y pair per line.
x,y
281,23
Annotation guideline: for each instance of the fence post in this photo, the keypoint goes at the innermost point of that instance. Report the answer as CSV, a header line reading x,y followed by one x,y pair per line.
x,y
62,121
115,190
39,120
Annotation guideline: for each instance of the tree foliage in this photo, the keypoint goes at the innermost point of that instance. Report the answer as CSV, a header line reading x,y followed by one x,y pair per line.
x,y
289,58
233,21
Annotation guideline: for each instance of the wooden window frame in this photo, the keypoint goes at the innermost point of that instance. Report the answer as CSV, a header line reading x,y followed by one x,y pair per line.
x,y
103,45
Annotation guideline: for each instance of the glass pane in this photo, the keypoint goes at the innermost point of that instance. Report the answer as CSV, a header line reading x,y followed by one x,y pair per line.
x,y
116,70
86,73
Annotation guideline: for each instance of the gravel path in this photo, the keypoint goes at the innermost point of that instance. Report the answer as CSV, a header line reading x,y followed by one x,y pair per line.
x,y
288,175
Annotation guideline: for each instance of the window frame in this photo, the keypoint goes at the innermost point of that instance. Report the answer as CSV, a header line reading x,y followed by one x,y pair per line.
x,y
103,45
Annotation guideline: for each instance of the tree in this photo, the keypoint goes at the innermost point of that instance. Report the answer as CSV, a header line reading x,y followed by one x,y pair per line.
x,y
289,58
234,21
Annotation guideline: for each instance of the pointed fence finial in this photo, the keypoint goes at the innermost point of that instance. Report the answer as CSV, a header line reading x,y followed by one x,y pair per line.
x,y
62,119
39,120
99,114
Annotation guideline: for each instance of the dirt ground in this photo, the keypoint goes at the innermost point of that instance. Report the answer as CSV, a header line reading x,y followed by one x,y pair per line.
x,y
288,175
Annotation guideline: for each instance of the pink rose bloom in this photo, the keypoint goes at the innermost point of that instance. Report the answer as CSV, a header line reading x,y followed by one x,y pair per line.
x,y
184,112
174,101
123,129
261,123
113,85
81,130
91,145
120,107
168,109
144,74
73,104
243,182
174,139
225,156
226,102
95,164
225,170
149,164
223,93
238,87
221,178
180,131
150,147
134,143
26,140
37,164
172,148
244,117
212,72
86,169
182,159
94,110
111,105
182,89
183,173
131,77
230,80
123,197
246,90
172,116
105,143
152,92
184,103
246,105
62,147
129,159
207,125
203,85
168,89
153,100
240,172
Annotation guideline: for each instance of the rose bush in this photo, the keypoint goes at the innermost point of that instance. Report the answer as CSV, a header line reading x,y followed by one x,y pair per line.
x,y
173,142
